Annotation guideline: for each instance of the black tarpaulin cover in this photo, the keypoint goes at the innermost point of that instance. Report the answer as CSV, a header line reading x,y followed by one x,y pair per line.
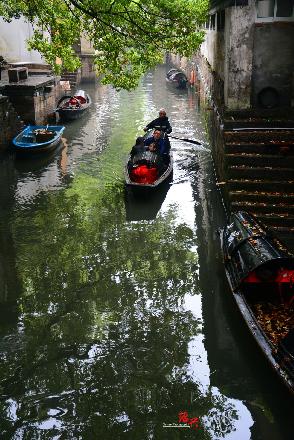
x,y
248,246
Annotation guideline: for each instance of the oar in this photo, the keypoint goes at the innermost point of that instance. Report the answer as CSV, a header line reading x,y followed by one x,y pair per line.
x,y
191,141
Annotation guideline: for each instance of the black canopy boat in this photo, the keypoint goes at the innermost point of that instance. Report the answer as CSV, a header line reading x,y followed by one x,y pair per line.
x,y
177,78
146,171
260,271
73,107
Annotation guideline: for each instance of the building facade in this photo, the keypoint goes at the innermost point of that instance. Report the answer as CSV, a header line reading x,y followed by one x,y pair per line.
x,y
249,47
244,70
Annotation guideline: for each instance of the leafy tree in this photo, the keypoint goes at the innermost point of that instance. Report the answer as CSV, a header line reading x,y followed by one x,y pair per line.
x,y
129,36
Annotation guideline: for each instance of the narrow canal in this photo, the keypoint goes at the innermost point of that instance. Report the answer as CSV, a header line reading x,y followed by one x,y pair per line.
x,y
115,315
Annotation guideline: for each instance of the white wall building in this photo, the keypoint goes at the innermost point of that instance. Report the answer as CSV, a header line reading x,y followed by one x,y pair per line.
x,y
13,42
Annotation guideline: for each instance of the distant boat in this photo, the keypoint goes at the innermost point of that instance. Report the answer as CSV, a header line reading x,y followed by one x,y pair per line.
x,y
73,107
177,78
38,139
260,271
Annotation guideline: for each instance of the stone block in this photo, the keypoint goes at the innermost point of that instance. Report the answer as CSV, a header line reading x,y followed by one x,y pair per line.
x,y
17,74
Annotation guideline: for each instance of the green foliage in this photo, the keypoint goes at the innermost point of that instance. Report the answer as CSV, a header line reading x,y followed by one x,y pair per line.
x,y
128,36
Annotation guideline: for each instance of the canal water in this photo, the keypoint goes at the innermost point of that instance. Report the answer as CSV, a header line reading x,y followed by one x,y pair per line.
x,y
116,321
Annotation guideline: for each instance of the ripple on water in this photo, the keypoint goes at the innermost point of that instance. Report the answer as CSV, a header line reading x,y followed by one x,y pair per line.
x,y
115,313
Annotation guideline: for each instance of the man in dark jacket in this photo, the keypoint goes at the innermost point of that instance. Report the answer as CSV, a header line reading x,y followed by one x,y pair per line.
x,y
161,123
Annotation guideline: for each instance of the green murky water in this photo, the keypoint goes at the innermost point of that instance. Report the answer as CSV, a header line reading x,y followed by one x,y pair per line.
x,y
115,315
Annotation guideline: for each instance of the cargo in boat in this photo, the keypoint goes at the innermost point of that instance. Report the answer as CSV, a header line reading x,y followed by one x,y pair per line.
x,y
260,271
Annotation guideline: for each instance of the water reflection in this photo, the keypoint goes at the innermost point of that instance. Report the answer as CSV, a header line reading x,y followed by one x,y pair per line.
x,y
37,163
145,206
118,325
124,293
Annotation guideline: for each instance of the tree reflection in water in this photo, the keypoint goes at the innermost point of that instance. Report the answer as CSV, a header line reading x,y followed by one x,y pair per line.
x,y
100,349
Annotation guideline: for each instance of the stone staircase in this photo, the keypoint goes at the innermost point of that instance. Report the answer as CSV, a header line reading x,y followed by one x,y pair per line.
x,y
74,78
259,164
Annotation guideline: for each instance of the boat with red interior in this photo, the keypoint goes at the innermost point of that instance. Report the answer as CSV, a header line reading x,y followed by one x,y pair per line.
x,y
147,170
73,107
260,271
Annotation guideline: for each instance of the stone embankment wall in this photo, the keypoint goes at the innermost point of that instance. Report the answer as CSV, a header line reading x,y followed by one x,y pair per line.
x,y
10,123
209,86
88,72
34,106
31,101
253,153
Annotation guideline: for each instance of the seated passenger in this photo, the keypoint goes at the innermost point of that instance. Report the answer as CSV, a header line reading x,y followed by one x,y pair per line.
x,y
152,147
158,143
139,146
161,123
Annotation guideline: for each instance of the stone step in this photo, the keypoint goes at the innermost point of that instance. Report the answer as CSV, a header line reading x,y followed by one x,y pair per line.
x,y
262,160
263,207
269,136
278,221
284,148
285,234
267,173
274,115
260,185
253,123
261,196
70,74
284,230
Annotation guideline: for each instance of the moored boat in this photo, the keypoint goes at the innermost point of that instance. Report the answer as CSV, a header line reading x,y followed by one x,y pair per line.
x,y
177,78
38,139
260,271
73,107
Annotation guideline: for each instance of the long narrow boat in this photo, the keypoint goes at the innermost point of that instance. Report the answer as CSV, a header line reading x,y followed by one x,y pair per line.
x,y
145,172
38,139
177,78
260,271
73,107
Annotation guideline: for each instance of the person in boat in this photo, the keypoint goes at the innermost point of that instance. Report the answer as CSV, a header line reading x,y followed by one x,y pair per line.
x,y
159,143
162,123
139,146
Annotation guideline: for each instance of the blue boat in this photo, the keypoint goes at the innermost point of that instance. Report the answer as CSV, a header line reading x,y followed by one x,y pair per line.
x,y
38,138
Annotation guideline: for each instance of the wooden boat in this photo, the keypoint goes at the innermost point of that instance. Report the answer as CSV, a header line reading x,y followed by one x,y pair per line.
x,y
177,78
73,107
38,139
260,271
171,72
145,171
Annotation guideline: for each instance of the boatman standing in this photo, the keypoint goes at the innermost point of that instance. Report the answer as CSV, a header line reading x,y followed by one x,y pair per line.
x,y
161,123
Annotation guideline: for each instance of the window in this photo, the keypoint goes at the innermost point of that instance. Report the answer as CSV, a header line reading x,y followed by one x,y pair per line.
x,y
271,10
284,8
221,20
265,8
212,22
